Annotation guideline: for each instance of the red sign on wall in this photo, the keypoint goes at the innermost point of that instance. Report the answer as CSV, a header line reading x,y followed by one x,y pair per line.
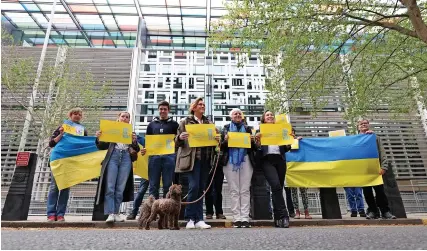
x,y
23,158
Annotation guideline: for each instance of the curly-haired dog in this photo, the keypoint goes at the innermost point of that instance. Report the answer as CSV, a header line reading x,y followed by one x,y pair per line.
x,y
167,209
145,211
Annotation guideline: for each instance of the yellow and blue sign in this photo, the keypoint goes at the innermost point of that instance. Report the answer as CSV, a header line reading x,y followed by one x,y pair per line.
x,y
116,132
160,144
239,140
201,135
73,128
350,161
276,134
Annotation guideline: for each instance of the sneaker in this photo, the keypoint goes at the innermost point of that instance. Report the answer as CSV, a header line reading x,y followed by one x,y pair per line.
x,y
371,215
60,218
190,225
131,217
353,214
237,224
246,224
51,218
202,225
362,213
282,223
110,218
118,218
209,216
388,216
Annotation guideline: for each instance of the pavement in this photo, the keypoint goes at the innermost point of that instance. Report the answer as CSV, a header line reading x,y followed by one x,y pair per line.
x,y
85,222
334,237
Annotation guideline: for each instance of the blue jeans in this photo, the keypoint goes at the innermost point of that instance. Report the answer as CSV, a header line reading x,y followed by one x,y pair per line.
x,y
196,184
56,199
355,198
143,186
117,175
161,166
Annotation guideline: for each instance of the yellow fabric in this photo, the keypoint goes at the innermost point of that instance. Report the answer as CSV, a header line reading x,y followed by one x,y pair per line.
x,y
281,119
160,144
337,133
201,135
74,170
140,166
116,132
239,140
276,134
341,173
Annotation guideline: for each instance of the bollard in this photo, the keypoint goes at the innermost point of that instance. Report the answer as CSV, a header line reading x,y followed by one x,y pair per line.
x,y
18,198
329,203
393,194
260,199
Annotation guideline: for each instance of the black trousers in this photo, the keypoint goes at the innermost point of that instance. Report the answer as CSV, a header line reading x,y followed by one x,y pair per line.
x,y
274,167
379,201
214,194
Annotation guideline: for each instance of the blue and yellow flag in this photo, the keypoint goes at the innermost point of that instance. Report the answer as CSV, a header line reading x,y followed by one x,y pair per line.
x,y
75,159
350,161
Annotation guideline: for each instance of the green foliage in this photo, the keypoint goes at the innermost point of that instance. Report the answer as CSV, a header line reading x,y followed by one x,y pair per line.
x,y
316,50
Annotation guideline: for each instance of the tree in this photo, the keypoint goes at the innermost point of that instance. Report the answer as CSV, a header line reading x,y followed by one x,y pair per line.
x,y
376,49
64,84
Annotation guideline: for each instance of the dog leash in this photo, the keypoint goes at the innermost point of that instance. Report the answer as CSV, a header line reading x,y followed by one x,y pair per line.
x,y
210,183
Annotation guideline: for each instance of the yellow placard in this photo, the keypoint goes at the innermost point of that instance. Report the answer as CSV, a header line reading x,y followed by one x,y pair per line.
x,y
160,144
73,128
239,140
116,132
337,133
281,119
201,135
295,145
140,166
276,134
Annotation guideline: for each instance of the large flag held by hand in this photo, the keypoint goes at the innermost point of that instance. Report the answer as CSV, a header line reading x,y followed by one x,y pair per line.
x,y
75,159
350,161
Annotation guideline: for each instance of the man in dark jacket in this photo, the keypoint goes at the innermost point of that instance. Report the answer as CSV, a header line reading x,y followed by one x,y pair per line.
x,y
161,165
380,201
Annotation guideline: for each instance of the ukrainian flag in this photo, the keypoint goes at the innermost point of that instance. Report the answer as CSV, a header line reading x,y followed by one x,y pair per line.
x,y
75,159
350,161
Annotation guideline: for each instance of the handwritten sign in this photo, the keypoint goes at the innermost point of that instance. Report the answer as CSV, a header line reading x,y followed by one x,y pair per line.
x,y
239,140
201,135
73,128
160,144
281,119
276,134
337,133
116,132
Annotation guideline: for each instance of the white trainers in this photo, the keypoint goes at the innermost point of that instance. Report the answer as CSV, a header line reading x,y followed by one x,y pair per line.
x,y
110,218
202,225
190,225
118,218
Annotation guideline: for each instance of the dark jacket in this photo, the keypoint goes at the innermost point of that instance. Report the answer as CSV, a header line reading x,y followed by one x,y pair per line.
x,y
158,126
129,189
224,146
187,155
55,134
384,163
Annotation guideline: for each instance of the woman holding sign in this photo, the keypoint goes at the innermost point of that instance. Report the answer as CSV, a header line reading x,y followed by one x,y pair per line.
x,y
194,162
272,160
238,147
116,182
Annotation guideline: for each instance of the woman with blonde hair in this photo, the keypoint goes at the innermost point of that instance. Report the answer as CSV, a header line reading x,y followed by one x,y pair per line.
x,y
194,163
115,184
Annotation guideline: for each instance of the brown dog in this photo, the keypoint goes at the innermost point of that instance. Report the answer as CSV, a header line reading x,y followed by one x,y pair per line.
x,y
167,209
145,211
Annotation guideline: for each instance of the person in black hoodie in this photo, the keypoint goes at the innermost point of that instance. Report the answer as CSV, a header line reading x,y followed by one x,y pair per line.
x,y
273,163
161,165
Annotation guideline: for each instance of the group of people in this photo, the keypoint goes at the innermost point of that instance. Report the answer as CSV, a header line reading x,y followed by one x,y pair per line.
x,y
115,184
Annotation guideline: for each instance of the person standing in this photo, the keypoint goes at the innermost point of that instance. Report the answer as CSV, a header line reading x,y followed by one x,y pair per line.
x,y
355,200
57,199
273,162
161,165
238,169
115,184
194,163
380,200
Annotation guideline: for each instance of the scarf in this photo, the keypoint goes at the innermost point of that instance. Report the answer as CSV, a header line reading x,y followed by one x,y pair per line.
x,y
236,155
